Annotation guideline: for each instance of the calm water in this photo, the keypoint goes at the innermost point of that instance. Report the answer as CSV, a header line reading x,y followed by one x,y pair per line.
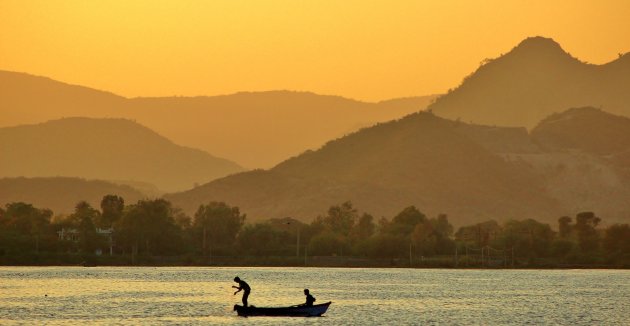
x,y
146,295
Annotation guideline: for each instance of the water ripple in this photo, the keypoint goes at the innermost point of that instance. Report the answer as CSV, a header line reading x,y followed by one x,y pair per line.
x,y
191,296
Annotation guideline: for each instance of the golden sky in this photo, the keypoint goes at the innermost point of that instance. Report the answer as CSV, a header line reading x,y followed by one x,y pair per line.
x,y
368,50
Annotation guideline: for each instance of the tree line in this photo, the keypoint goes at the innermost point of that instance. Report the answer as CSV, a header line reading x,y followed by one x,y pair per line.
x,y
153,227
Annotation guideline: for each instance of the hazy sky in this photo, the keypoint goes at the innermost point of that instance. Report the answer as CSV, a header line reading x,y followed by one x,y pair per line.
x,y
369,50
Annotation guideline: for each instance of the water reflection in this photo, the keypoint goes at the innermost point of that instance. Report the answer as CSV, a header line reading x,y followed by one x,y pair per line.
x,y
104,295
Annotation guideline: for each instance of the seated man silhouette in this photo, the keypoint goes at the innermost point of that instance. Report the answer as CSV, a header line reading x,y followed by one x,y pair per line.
x,y
309,298
242,285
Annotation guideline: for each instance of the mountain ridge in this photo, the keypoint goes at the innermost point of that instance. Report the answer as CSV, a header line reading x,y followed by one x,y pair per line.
x,y
110,149
533,80
61,194
412,161
236,126
470,172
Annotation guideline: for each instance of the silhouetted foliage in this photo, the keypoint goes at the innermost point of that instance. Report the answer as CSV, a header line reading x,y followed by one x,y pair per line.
x,y
145,226
585,224
83,220
479,234
23,227
434,236
333,230
153,228
112,207
364,228
529,238
264,239
327,243
405,222
340,219
617,240
217,224
564,226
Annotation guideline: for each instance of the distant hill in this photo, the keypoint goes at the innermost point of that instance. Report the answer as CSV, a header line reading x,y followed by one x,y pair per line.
x,y
27,99
588,129
571,162
105,149
257,129
534,80
581,154
61,194
420,160
585,159
262,129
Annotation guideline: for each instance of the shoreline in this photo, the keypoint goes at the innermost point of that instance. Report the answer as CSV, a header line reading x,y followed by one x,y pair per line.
x,y
340,267
76,260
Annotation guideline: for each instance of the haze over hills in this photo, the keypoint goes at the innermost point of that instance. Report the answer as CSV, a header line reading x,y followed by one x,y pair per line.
x,y
581,154
28,99
106,149
586,160
264,128
587,129
420,160
254,129
61,194
470,172
571,161
534,80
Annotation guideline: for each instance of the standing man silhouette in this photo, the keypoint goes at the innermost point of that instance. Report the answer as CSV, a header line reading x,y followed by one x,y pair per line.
x,y
242,285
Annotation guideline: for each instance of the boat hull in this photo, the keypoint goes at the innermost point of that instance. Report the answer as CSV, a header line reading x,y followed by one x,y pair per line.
x,y
297,311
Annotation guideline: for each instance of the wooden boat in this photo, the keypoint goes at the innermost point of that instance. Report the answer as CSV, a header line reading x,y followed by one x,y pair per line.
x,y
293,311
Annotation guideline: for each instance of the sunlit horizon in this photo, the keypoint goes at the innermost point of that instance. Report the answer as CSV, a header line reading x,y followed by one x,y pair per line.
x,y
369,51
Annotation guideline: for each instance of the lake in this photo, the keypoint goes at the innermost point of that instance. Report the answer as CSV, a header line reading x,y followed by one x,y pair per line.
x,y
360,296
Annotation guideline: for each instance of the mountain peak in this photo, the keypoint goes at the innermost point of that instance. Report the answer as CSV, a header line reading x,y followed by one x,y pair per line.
x,y
536,78
539,46
539,42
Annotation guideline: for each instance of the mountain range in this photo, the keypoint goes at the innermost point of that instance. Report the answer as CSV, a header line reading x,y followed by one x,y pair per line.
x,y
106,149
420,160
534,80
493,167
470,172
254,129
534,133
